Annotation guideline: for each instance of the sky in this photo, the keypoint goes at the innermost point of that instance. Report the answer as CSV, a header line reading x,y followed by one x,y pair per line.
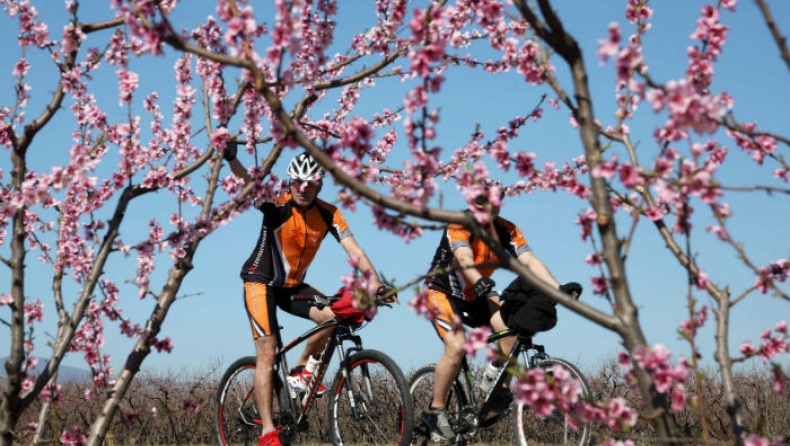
x,y
208,324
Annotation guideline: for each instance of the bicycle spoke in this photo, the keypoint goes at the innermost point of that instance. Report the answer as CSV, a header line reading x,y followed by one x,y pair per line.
x,y
238,422
557,428
421,390
371,406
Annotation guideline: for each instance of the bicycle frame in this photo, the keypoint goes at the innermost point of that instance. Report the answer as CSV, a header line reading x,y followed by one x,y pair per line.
x,y
522,346
342,332
469,411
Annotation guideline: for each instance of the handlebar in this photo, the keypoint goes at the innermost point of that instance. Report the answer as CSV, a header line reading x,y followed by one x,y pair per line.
x,y
320,301
317,300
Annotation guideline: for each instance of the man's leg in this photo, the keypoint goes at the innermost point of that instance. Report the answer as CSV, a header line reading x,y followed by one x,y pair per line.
x,y
264,378
497,324
315,344
435,414
261,310
448,365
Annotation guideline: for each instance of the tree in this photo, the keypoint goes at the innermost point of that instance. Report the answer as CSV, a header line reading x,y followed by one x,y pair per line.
x,y
269,84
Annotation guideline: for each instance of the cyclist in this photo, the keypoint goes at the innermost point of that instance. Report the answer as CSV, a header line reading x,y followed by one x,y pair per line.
x,y
293,228
458,287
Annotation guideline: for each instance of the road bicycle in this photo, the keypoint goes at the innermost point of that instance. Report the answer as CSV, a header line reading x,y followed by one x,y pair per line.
x,y
469,411
367,403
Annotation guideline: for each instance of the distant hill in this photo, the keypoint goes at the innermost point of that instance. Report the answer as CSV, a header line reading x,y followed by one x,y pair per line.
x,y
65,373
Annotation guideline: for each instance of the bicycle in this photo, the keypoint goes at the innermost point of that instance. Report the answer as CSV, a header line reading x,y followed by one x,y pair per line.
x,y
368,401
468,411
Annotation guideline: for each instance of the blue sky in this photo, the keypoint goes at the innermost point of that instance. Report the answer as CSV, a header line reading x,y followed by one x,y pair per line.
x,y
208,325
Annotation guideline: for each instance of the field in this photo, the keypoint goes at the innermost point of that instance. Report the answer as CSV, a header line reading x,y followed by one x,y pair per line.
x,y
178,409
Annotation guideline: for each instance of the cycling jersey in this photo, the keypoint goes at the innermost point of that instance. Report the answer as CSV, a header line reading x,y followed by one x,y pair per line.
x,y
453,283
289,240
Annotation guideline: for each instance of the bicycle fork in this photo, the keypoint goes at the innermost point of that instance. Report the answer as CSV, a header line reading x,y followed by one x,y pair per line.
x,y
355,396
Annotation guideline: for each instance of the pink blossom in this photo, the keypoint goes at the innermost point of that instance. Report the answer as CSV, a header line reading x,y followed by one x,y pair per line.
x,y
586,221
419,304
600,285
73,437
593,259
476,340
755,440
729,4
6,299
21,68
608,48
163,345
638,10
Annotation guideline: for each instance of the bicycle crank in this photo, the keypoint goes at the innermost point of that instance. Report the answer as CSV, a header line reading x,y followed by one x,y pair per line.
x,y
467,423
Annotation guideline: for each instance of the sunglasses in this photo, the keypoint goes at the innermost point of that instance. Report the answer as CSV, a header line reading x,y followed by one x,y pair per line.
x,y
482,200
301,184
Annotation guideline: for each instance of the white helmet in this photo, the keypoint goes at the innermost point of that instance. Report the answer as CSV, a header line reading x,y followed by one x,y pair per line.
x,y
304,167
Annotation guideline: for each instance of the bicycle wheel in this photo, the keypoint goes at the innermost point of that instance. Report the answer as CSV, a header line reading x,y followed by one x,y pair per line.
x,y
421,390
557,428
380,410
236,415
237,421
310,430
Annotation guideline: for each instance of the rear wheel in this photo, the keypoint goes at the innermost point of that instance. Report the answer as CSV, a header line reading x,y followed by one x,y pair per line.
x,y
371,405
558,428
462,418
237,421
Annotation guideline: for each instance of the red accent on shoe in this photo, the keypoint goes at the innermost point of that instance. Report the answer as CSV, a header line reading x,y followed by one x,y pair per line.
x,y
271,438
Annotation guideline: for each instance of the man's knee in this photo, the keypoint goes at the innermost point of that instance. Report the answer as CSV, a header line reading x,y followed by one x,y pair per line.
x,y
265,347
454,344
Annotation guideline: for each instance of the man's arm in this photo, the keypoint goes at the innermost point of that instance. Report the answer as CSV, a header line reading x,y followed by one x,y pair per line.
x,y
355,251
229,154
538,268
466,261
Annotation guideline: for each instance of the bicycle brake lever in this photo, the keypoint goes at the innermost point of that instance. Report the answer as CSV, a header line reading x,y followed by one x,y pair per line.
x,y
321,302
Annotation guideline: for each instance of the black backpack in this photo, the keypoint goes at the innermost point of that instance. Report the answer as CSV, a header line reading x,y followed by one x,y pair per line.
x,y
527,310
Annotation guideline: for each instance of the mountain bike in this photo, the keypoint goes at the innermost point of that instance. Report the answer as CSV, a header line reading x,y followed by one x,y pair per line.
x,y
469,411
367,403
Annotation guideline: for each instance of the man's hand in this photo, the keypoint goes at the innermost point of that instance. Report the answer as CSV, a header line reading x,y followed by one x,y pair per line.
x,y
387,293
230,151
573,289
483,287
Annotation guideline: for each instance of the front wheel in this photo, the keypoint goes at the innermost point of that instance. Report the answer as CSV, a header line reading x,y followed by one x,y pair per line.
x,y
558,428
372,404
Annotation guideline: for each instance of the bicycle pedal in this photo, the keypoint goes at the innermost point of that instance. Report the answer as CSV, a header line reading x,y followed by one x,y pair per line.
x,y
436,438
293,381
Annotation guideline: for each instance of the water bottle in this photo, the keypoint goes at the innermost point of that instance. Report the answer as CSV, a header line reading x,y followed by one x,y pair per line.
x,y
489,376
309,368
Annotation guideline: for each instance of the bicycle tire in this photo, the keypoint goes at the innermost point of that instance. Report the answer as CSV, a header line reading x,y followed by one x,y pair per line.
x,y
421,391
384,410
554,429
236,417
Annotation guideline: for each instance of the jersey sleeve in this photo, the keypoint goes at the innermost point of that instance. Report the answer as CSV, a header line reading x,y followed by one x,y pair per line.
x,y
338,226
517,243
458,236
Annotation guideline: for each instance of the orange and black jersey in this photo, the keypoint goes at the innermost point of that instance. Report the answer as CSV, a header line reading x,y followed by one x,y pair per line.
x,y
289,240
453,283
